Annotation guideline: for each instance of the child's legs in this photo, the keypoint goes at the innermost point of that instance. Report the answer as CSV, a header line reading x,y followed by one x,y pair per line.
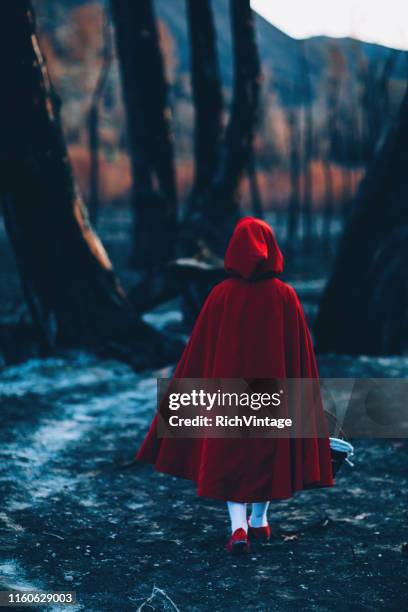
x,y
238,516
258,514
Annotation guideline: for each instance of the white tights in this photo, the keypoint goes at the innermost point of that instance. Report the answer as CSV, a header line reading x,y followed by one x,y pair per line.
x,y
238,515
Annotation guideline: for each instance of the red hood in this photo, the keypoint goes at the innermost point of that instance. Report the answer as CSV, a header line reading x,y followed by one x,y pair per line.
x,y
253,250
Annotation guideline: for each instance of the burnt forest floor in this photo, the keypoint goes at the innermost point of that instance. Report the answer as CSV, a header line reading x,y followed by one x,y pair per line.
x,y
72,517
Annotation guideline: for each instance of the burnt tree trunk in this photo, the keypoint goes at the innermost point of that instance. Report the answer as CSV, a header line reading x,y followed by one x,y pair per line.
x,y
347,178
149,128
294,173
329,204
221,206
72,292
308,148
237,149
254,190
207,97
348,320
333,102
375,100
381,102
308,227
93,122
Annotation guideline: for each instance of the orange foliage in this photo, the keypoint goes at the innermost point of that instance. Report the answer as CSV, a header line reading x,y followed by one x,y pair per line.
x,y
115,175
184,177
275,186
167,46
85,36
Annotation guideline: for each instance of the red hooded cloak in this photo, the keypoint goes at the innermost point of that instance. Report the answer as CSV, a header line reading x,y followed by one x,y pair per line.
x,y
251,326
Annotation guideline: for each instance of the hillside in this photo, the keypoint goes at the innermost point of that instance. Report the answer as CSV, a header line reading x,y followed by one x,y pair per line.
x,y
71,37
279,52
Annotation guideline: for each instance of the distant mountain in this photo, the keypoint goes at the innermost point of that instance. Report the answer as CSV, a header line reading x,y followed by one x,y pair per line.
x,y
279,52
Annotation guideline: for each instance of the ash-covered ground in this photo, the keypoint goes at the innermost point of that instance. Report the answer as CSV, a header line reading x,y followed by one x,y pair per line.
x,y
74,517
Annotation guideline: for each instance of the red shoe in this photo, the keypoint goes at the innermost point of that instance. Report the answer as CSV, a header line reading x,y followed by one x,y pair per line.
x,y
238,543
262,534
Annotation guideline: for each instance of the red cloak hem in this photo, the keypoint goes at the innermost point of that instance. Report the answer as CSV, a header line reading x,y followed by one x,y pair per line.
x,y
235,495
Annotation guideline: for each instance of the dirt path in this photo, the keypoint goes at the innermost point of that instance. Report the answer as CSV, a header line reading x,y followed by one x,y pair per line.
x,y
70,519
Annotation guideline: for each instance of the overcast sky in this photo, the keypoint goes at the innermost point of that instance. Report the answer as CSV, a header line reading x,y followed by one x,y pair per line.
x,y
380,21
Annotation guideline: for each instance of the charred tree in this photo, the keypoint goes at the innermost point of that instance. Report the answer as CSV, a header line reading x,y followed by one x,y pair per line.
x,y
381,102
206,232
356,316
308,148
93,121
207,97
73,295
333,135
374,85
220,208
149,128
347,176
329,203
237,149
254,190
294,174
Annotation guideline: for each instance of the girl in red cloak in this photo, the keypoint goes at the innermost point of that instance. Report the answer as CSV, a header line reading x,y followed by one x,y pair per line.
x,y
251,326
